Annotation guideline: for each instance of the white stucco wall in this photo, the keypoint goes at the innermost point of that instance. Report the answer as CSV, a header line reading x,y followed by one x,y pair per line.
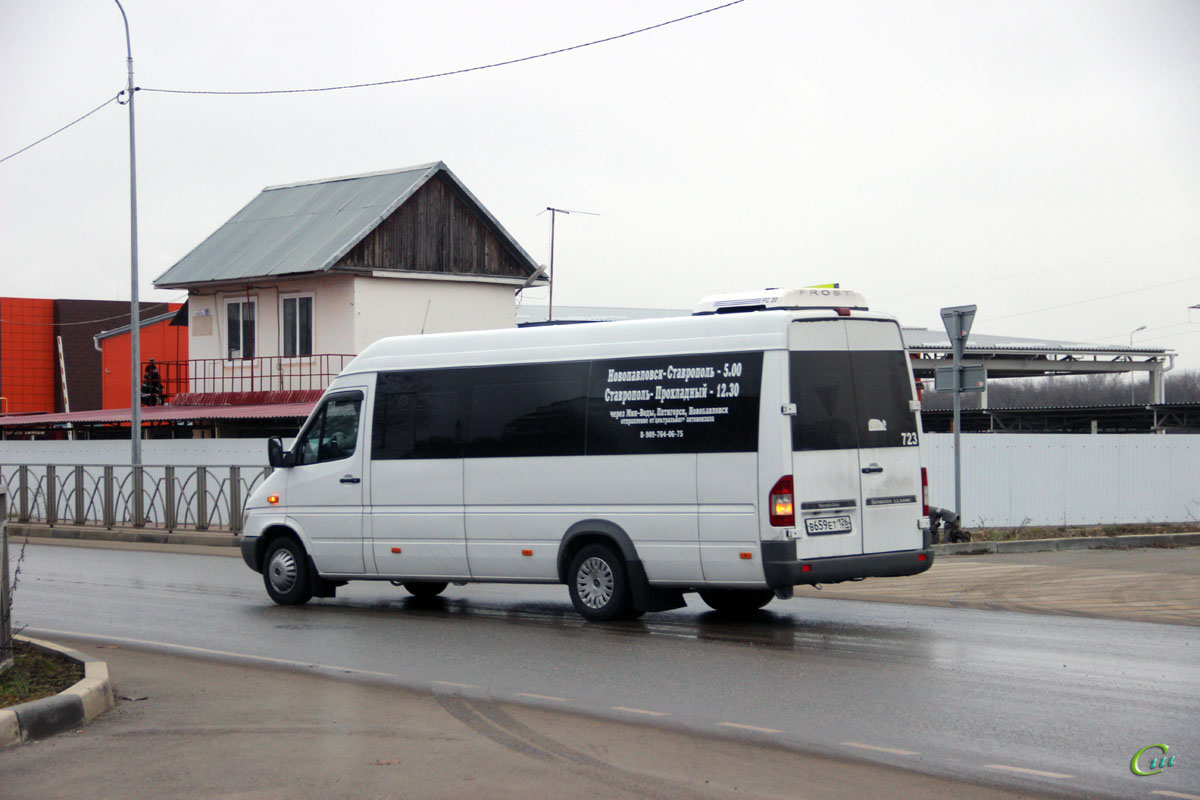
x,y
349,313
399,306
333,308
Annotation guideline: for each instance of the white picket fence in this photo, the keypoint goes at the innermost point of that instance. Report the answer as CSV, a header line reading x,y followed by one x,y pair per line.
x,y
1008,479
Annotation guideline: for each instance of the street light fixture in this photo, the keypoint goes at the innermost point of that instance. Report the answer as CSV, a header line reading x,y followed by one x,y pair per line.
x,y
1131,386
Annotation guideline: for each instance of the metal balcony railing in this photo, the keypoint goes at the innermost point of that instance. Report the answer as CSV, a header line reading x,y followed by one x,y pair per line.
x,y
258,374
167,498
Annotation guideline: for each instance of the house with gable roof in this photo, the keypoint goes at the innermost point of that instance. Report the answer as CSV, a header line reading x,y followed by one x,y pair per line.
x,y
282,295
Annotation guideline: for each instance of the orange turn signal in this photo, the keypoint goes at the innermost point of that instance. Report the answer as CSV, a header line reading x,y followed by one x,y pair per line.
x,y
273,499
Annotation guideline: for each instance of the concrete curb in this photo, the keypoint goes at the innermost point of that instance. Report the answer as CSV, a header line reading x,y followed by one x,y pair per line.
x,y
138,535
66,710
1075,543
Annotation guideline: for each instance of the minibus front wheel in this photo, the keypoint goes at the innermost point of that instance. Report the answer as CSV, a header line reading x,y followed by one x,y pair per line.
x,y
285,573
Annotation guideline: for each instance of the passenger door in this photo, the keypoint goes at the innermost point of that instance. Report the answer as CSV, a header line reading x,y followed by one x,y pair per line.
x,y
889,456
417,477
825,466
324,496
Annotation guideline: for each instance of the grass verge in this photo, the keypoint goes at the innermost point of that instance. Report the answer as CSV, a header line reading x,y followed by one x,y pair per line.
x,y
36,674
983,534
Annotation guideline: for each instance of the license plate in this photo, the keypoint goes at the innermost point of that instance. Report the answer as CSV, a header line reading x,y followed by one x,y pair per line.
x,y
820,525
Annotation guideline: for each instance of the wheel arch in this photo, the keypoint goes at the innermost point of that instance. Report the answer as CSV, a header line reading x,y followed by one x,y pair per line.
x,y
593,531
270,534
602,531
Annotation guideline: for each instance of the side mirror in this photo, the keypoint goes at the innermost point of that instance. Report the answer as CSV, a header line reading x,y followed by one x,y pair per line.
x,y
275,452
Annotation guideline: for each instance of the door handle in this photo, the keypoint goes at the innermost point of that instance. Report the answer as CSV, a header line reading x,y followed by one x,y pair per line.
x,y
871,469
350,479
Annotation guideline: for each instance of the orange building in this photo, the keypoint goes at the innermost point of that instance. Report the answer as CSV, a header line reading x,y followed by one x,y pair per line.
x,y
32,331
27,360
160,340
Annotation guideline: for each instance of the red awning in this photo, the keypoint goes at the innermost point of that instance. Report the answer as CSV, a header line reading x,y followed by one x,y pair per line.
x,y
164,414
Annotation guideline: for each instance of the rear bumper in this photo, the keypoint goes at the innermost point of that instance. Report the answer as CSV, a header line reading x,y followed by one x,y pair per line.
x,y
782,569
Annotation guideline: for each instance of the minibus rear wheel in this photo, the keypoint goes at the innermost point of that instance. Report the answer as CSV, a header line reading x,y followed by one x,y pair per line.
x,y
285,573
736,601
425,590
599,585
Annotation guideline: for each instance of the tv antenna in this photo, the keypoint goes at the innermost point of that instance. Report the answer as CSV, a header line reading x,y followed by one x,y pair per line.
x,y
554,212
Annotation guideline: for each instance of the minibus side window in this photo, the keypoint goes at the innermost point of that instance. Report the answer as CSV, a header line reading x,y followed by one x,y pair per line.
x,y
333,432
416,425
518,418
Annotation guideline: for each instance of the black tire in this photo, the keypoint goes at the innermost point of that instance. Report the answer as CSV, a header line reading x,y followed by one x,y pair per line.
x,y
599,585
285,573
736,601
425,590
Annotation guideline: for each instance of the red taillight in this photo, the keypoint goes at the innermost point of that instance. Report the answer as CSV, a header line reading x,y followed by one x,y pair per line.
x,y
924,493
783,509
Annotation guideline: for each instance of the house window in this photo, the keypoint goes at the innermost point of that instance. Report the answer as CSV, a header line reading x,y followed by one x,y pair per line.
x,y
297,316
240,318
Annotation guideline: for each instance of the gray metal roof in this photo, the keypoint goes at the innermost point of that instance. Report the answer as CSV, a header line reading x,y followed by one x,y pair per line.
x,y
914,338
532,313
306,227
143,322
929,339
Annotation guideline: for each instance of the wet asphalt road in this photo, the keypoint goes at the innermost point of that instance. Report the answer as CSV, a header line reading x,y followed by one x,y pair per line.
x,y
986,696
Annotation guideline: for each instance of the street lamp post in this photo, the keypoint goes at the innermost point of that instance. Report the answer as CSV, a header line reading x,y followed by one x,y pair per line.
x,y
1131,376
135,326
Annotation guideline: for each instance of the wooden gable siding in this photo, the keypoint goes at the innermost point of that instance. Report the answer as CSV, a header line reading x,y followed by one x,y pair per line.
x,y
435,230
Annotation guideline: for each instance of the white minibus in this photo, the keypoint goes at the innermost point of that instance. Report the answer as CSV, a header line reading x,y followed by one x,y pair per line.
x,y
766,441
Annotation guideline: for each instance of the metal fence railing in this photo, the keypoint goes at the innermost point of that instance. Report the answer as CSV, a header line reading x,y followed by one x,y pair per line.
x,y
6,655
258,374
168,498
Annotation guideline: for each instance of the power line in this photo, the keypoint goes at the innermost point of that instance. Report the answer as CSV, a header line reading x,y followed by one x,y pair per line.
x,y
1148,330
1044,270
126,315
112,99
1091,299
430,76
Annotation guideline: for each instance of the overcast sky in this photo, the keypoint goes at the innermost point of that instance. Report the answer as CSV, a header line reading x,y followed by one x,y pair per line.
x,y
1040,159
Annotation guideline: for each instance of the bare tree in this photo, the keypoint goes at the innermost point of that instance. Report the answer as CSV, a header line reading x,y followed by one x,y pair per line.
x,y
1073,390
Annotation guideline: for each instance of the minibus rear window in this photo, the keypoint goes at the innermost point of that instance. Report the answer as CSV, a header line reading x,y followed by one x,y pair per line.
x,y
849,399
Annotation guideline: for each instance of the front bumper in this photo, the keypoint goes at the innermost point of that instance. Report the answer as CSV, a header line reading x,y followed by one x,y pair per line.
x,y
782,569
250,552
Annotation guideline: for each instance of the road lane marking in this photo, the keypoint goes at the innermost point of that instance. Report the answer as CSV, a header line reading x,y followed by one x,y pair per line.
x,y
879,749
740,726
542,697
1025,771
457,685
1166,793
641,711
